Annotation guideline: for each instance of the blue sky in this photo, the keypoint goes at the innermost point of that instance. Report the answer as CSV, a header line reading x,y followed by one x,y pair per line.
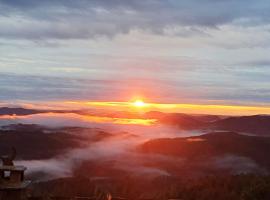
x,y
207,51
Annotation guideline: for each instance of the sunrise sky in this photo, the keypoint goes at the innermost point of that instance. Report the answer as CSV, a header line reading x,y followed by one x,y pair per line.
x,y
207,56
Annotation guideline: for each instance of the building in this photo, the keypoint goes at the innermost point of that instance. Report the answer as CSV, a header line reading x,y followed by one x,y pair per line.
x,y
12,183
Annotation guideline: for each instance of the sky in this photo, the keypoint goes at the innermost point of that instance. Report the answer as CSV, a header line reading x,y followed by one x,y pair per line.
x,y
164,51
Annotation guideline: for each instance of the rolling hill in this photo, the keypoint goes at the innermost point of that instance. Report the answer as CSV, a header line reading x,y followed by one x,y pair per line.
x,y
212,145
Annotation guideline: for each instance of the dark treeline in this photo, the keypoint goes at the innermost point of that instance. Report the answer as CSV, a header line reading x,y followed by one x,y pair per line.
x,y
235,187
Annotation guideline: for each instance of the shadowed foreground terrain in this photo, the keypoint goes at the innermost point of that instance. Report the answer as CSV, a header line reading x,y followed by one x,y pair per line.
x,y
69,162
244,187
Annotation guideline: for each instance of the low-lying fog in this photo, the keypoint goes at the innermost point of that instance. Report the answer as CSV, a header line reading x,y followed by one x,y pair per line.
x,y
55,120
117,151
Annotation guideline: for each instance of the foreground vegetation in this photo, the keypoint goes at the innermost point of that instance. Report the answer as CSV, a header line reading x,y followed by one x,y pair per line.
x,y
235,187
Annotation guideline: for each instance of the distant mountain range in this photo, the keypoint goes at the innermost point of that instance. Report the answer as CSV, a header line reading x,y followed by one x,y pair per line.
x,y
19,111
26,111
256,124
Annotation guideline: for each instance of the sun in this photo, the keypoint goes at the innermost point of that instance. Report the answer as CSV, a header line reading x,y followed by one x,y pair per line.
x,y
139,103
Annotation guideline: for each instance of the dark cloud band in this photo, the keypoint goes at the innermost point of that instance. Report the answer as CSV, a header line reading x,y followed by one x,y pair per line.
x,y
80,19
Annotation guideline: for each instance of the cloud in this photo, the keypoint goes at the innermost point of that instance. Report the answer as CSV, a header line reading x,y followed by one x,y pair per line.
x,y
56,120
238,164
231,85
116,148
120,151
82,19
47,169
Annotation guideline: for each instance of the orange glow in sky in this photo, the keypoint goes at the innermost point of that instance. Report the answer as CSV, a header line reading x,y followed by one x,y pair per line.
x,y
172,107
139,105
